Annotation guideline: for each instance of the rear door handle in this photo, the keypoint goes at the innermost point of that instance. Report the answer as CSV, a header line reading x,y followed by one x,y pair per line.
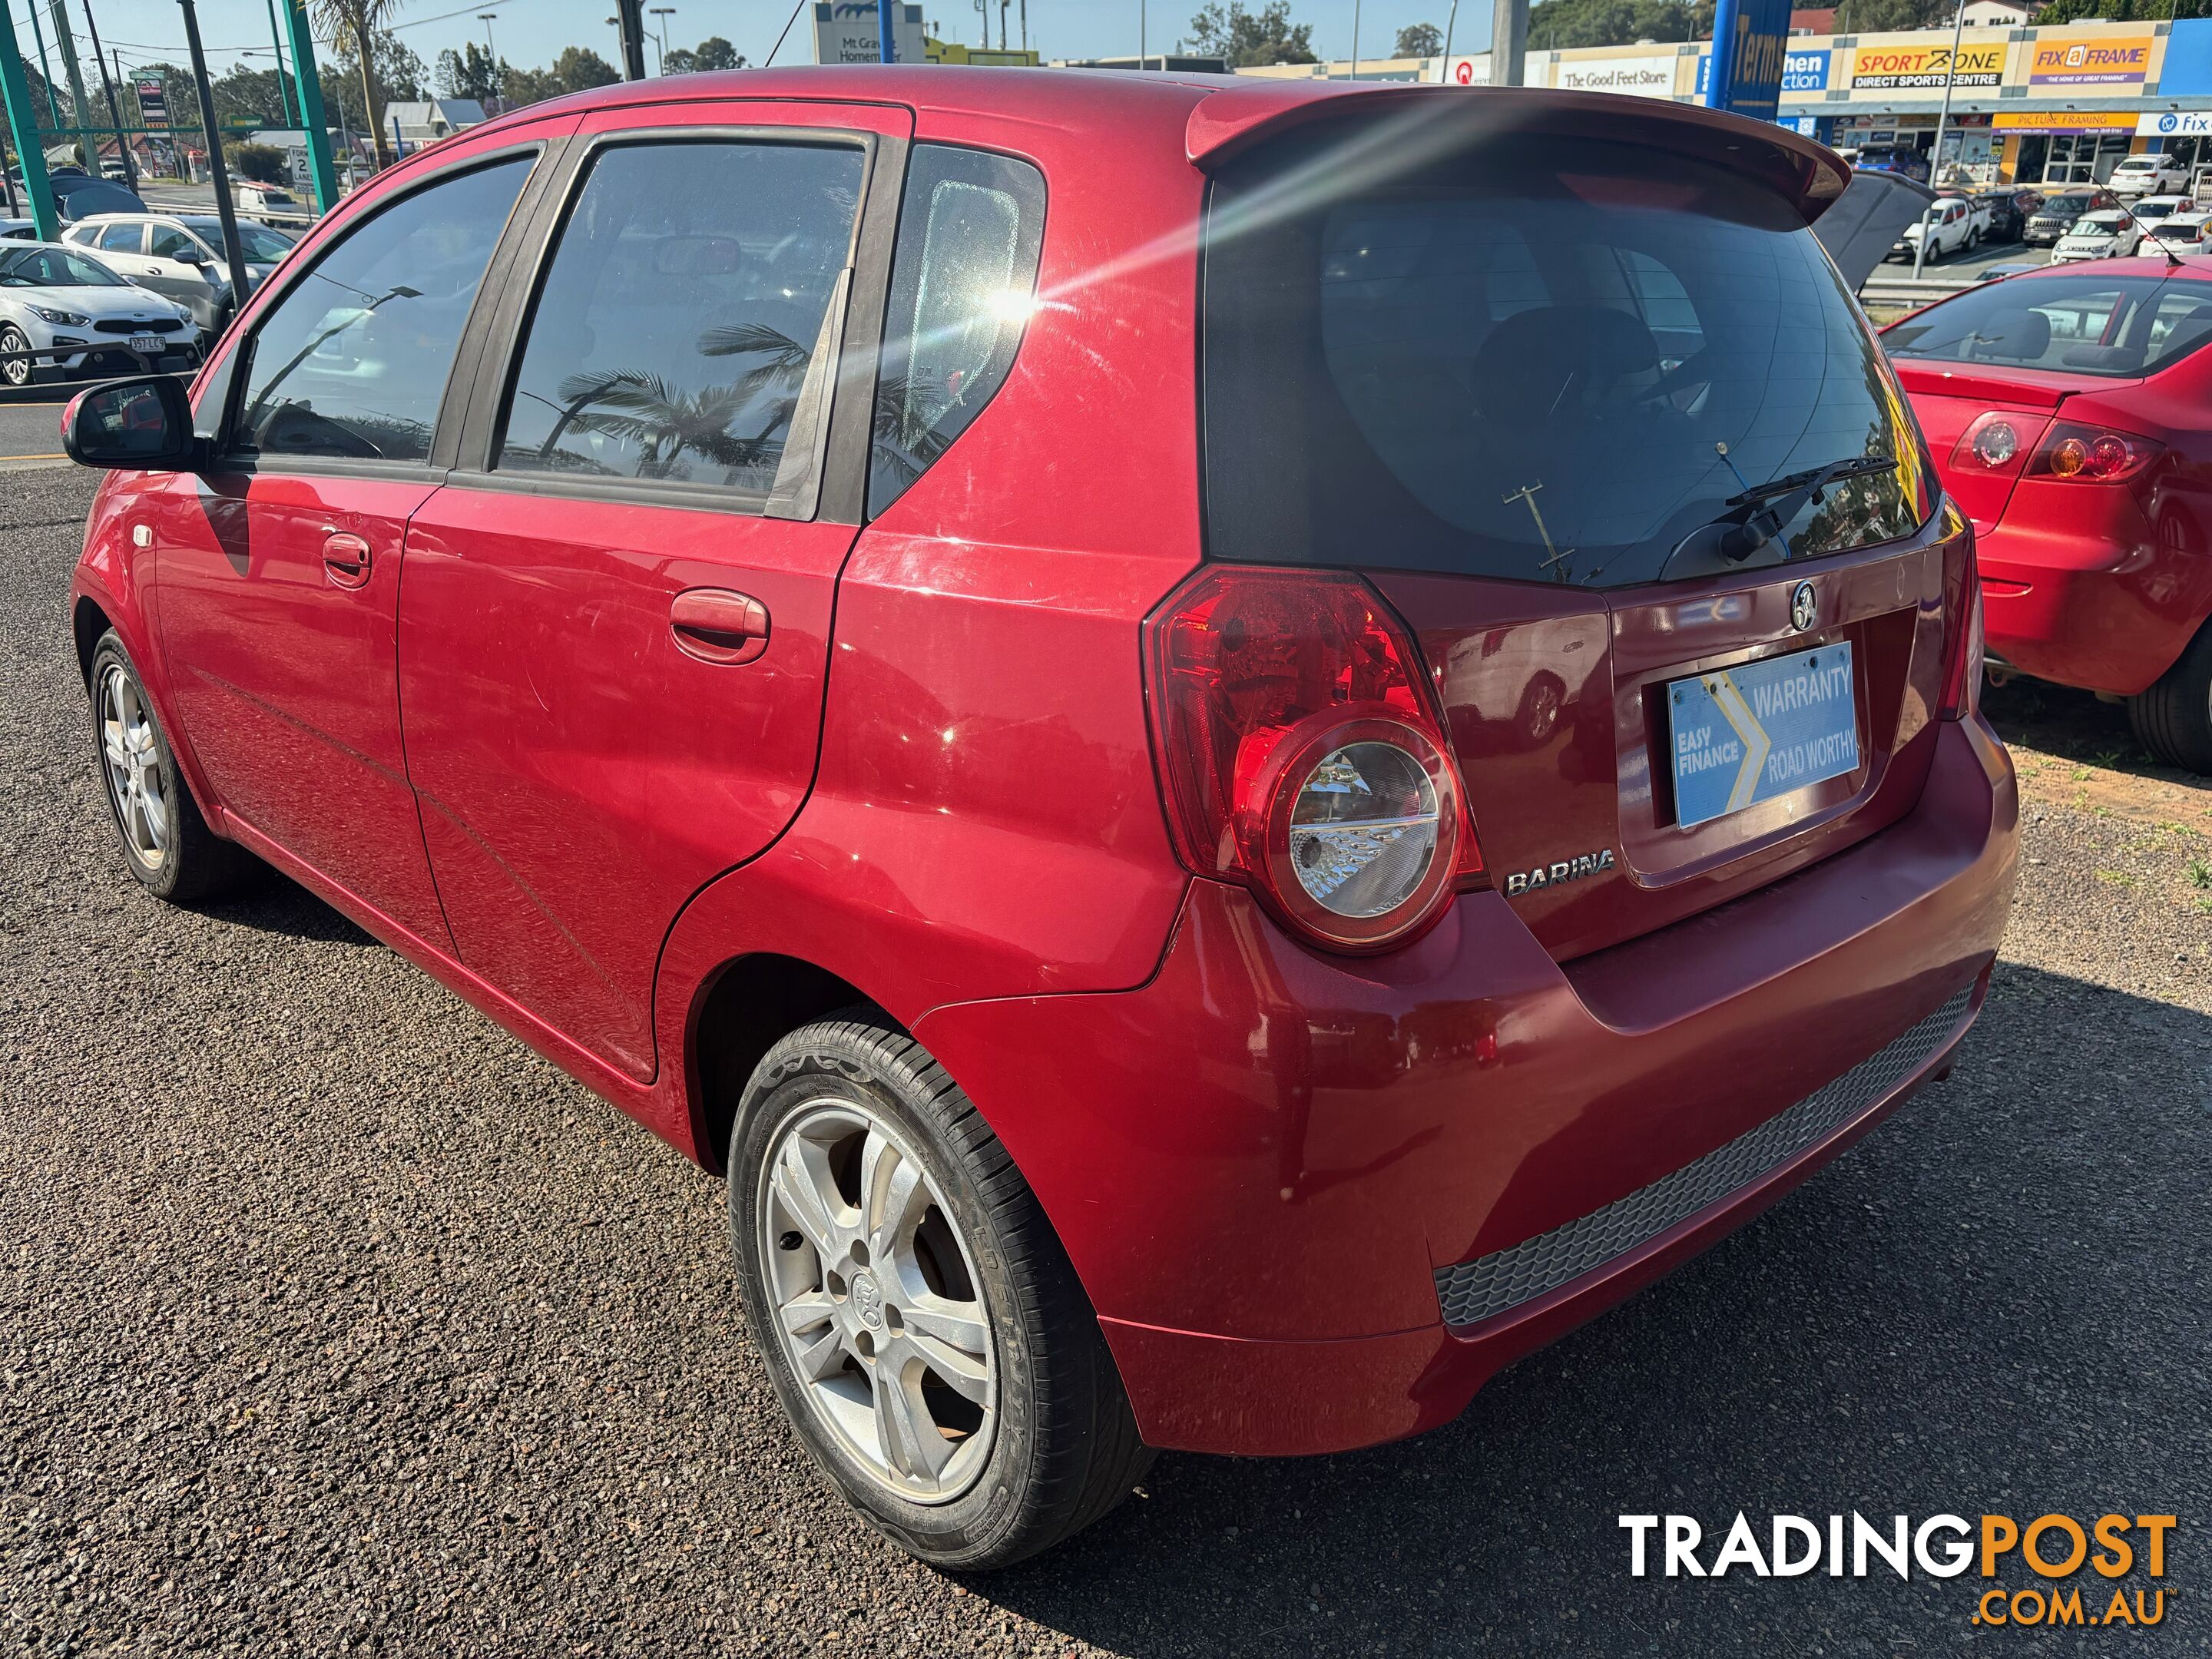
x,y
345,559
718,626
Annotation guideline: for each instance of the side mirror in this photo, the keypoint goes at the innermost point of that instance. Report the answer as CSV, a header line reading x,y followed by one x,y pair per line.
x,y
142,423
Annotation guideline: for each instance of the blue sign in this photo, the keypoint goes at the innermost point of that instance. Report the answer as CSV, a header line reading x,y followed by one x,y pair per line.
x,y
1801,71
1748,734
1748,38
2187,69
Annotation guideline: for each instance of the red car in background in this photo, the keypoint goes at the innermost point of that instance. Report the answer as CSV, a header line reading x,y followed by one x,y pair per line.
x,y
2070,416
1212,859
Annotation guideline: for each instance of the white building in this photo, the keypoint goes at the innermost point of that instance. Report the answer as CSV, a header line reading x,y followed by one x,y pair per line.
x,y
427,122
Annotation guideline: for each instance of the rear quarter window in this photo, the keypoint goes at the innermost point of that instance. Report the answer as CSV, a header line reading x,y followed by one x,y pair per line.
x,y
2114,326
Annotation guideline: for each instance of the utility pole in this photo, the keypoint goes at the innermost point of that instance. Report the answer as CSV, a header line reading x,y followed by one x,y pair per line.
x,y
46,69
1140,34
218,170
1936,155
1509,42
115,108
1355,39
1451,22
498,81
1026,25
629,20
660,39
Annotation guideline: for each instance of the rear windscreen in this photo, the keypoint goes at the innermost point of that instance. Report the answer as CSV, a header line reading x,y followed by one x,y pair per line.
x,y
1544,360
2119,326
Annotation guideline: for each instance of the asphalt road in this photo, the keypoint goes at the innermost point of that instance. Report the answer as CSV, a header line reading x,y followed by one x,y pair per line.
x,y
333,1320
30,435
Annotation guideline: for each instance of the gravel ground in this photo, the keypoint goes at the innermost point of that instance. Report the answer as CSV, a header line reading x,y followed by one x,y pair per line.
x,y
331,1318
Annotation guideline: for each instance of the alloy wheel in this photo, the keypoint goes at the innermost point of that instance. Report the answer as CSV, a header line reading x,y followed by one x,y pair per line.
x,y
14,369
875,1299
134,769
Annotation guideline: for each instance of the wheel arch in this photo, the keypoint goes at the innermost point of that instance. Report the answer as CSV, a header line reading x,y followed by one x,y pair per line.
x,y
741,1010
88,621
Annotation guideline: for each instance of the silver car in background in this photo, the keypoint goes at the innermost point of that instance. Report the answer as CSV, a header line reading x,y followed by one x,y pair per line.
x,y
180,257
53,297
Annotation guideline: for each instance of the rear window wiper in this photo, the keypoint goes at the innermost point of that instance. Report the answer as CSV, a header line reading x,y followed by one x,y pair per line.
x,y
1759,512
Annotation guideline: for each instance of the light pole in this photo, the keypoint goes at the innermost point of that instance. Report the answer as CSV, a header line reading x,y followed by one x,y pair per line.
x,y
115,109
485,18
1936,155
661,40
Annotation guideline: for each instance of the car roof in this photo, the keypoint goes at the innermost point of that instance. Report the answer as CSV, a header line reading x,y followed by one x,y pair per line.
x,y
1209,117
2195,268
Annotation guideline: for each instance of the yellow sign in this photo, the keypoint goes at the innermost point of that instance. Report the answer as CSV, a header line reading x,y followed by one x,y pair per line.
x,y
2063,120
1894,69
2118,60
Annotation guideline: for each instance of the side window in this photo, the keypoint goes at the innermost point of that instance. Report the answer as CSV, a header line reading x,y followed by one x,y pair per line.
x,y
352,361
963,278
123,238
170,243
687,299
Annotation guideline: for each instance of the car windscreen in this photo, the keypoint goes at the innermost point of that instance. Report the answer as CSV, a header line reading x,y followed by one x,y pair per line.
x,y
54,267
1549,361
2117,326
260,245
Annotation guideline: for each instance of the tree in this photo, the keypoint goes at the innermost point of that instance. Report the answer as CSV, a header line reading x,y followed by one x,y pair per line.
x,y
264,163
469,73
368,52
250,97
1419,40
575,70
1561,23
712,53
1248,39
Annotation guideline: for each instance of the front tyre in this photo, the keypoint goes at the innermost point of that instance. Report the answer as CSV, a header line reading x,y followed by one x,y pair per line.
x,y
921,1324
2173,718
165,843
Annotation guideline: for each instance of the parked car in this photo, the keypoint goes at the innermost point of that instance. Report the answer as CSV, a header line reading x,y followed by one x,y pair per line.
x,y
115,171
1907,159
2065,411
1953,224
2148,210
53,296
79,196
2111,234
255,196
1998,272
2010,207
2182,231
180,256
2149,175
1068,916
2059,210
18,230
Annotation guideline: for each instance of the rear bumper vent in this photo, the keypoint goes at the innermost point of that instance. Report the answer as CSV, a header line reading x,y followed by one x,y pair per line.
x,y
1472,1291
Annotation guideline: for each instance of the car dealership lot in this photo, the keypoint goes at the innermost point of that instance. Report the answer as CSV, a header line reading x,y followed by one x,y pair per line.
x,y
331,1316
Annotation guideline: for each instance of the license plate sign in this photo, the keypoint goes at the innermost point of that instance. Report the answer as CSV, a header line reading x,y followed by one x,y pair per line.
x,y
151,344
1747,734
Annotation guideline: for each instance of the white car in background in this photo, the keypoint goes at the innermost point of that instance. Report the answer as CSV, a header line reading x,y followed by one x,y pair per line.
x,y
2183,232
2138,175
2106,233
54,296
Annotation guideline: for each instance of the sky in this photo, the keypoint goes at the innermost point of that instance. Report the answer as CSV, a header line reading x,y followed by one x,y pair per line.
x,y
529,32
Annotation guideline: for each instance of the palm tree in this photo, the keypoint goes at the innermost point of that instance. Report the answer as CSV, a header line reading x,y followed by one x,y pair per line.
x,y
664,422
358,21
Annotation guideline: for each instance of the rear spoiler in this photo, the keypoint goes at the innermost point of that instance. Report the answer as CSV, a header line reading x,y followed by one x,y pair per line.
x,y
1226,124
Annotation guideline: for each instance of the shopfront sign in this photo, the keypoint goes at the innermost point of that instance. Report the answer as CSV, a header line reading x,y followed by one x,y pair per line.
x,y
1801,71
1646,77
2175,124
2115,61
2064,120
1898,69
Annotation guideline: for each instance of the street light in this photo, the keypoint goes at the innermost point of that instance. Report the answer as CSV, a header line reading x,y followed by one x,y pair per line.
x,y
485,18
661,41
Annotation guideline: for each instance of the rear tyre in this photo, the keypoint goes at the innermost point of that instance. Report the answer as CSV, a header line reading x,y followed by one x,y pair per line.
x,y
165,843
921,1325
2173,718
15,371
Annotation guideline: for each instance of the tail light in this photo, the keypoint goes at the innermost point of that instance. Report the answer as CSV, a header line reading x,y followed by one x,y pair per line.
x,y
1998,444
1302,754
2092,454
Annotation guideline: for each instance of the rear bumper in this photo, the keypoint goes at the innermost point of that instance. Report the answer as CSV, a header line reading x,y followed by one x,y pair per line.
x,y
1369,1185
2078,589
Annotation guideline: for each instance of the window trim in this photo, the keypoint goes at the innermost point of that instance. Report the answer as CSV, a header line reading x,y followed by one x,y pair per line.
x,y
838,479
232,460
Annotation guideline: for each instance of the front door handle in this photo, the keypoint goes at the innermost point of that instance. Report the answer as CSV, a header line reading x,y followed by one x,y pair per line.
x,y
718,626
345,559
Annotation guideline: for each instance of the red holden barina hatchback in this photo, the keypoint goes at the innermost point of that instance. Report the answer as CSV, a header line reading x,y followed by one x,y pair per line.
x,y
2067,411
1238,748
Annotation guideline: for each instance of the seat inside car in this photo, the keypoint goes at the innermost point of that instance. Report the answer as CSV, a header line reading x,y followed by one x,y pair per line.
x,y
2018,336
